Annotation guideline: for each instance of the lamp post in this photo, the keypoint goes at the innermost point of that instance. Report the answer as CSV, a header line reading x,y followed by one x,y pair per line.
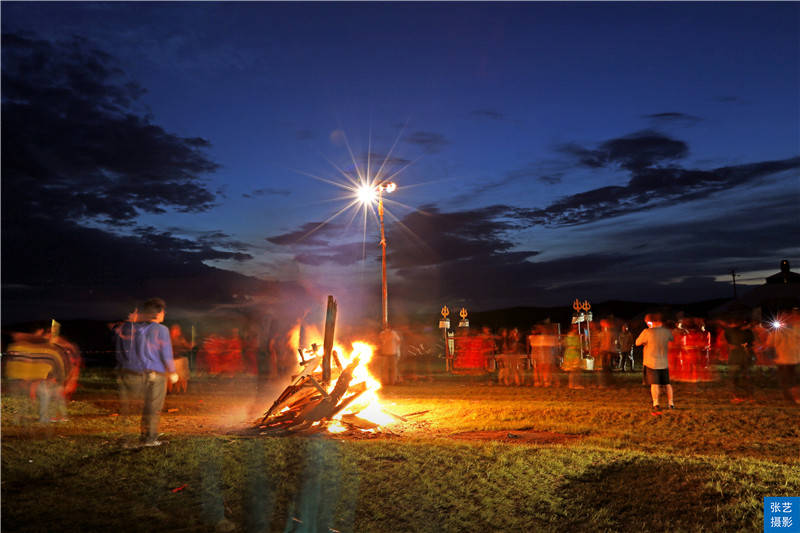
x,y
384,187
366,194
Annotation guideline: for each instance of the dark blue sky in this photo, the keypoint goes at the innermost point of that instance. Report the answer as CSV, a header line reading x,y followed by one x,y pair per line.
x,y
556,150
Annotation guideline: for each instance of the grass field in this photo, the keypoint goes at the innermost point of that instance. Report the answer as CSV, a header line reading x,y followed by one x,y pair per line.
x,y
598,461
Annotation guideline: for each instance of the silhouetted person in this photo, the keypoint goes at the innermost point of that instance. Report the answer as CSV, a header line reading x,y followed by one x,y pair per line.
x,y
740,358
625,347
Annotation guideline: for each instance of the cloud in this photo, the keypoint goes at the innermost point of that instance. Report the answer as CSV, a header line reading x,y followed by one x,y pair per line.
x,y
525,174
309,234
651,188
673,117
423,237
388,161
343,254
85,160
430,142
80,148
205,243
634,152
655,180
487,113
268,191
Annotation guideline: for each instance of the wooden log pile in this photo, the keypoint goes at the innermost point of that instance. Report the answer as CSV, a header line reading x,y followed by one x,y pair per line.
x,y
306,406
309,404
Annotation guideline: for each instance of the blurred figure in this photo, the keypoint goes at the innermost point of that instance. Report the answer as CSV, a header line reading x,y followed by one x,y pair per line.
x,y
221,355
740,359
719,344
572,357
512,359
388,356
625,348
250,340
785,339
273,356
674,354
530,344
544,349
695,344
181,348
607,348
470,357
49,366
655,339
144,359
488,349
502,341
514,342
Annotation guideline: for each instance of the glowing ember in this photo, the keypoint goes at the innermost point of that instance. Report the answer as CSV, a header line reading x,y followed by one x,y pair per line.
x,y
336,427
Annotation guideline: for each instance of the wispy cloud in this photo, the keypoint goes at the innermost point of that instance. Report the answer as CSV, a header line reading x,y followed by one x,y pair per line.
x,y
268,191
430,142
490,114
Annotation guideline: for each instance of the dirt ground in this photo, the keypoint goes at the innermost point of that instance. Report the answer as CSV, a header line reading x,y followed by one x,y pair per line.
x,y
224,406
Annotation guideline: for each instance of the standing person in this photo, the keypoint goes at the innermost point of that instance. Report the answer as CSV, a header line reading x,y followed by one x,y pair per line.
x,y
49,365
785,339
144,359
389,355
740,359
572,357
535,355
607,341
656,339
625,347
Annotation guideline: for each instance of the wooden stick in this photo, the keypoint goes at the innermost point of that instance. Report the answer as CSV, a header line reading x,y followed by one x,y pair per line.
x,y
417,413
327,346
400,418
319,387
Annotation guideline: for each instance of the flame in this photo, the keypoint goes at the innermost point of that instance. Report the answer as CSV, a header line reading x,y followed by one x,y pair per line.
x,y
368,404
336,426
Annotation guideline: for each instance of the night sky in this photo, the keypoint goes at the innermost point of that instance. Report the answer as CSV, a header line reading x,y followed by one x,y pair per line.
x,y
543,152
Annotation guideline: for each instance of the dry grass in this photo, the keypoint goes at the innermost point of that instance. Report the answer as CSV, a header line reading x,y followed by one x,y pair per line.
x,y
705,467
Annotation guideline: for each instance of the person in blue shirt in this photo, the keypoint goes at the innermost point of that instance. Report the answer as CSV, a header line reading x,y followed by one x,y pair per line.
x,y
144,361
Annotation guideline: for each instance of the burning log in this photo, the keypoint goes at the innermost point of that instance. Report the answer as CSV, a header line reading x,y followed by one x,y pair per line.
x,y
358,422
314,402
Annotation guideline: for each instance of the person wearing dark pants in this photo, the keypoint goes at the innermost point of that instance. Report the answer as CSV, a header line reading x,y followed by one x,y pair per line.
x,y
144,357
740,359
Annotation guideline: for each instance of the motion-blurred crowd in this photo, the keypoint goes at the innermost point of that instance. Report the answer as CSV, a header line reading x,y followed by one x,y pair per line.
x,y
744,351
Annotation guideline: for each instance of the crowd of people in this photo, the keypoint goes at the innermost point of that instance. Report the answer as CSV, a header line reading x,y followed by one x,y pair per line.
x,y
690,348
151,357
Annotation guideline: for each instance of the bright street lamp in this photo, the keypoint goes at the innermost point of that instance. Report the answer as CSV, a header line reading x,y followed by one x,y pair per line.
x,y
367,195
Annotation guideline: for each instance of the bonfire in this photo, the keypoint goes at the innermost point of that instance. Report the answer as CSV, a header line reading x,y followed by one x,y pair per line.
x,y
334,392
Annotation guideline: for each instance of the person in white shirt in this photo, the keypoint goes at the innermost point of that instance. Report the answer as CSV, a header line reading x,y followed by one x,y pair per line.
x,y
656,339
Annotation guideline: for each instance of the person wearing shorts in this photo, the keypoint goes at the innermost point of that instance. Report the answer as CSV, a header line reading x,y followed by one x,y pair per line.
x,y
656,339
